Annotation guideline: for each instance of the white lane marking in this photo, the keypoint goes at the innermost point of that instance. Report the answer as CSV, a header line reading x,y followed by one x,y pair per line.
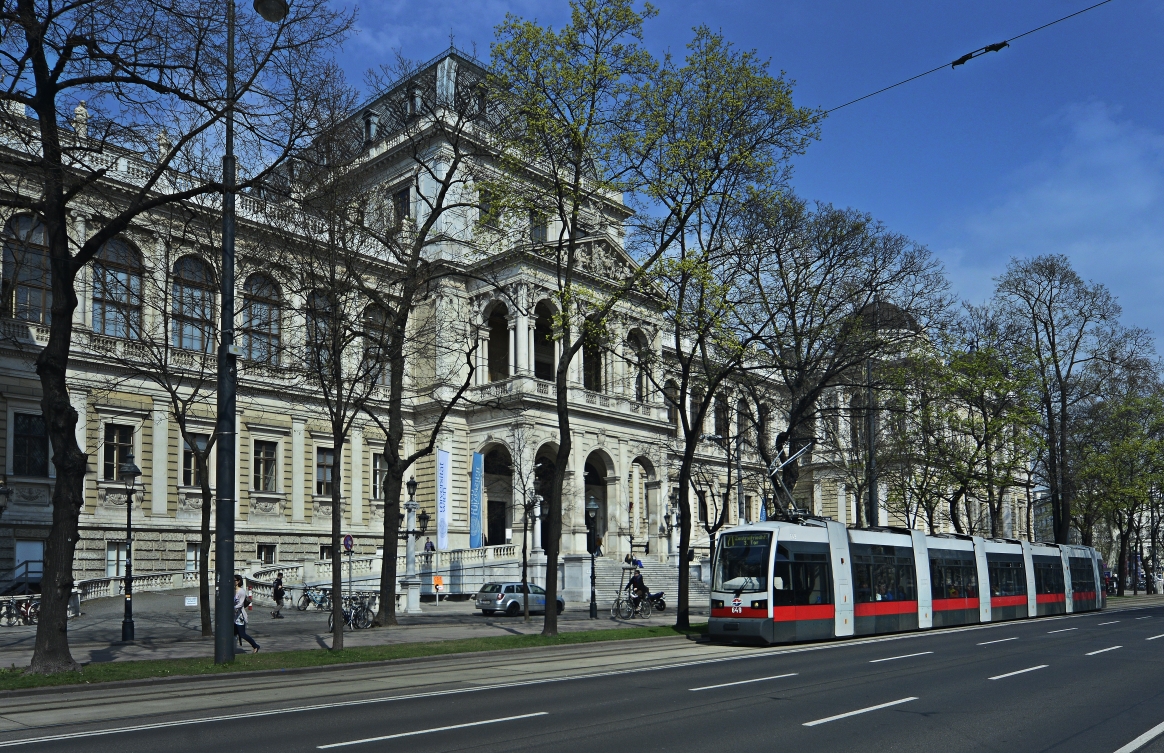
x,y
1103,650
1144,617
745,682
1021,671
1143,739
1064,630
1154,637
541,681
1113,622
427,731
905,656
860,711
1000,640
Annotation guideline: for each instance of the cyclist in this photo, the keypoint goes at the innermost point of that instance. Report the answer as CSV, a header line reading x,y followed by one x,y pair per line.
x,y
637,588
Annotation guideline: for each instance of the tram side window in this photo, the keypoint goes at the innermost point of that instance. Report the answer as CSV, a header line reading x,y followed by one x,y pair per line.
x,y
801,579
1049,578
1082,576
883,573
1007,578
953,579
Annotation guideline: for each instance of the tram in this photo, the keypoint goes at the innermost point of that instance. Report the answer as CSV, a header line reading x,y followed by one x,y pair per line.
x,y
813,579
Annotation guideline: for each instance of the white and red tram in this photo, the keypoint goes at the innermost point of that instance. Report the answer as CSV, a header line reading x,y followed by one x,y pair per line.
x,y
814,579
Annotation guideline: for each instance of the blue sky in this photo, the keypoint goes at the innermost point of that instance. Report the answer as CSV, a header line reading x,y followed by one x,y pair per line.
x,y
1055,144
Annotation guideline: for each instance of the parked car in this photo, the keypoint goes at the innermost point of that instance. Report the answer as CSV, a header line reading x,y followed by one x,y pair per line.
x,y
507,598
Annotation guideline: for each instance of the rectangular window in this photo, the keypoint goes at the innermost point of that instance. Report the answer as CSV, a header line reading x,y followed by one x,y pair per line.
x,y
379,467
401,205
324,457
267,554
118,448
702,510
115,559
264,462
193,556
325,551
30,445
193,470
537,227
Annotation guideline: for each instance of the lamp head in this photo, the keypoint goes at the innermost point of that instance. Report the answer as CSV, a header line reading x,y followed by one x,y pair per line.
x,y
411,486
273,11
423,519
592,506
128,472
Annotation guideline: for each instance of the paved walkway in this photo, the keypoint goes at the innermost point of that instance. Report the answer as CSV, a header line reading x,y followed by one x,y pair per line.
x,y
166,629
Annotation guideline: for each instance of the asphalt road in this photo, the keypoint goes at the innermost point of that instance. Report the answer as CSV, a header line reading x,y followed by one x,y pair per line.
x,y
1088,683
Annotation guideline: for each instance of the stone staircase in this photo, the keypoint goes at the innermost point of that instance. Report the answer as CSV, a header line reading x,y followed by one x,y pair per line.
x,y
659,576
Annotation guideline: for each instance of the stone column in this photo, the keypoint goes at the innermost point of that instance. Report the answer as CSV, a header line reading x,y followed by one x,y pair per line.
x,y
523,342
297,429
512,330
159,462
357,503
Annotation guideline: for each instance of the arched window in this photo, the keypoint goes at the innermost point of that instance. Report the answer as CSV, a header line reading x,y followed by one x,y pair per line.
x,y
319,331
545,364
637,355
592,362
377,324
744,423
722,420
193,305
117,290
498,325
27,290
671,398
262,315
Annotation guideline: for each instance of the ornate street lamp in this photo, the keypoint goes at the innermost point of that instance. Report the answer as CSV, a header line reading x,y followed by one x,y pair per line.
x,y
128,472
410,582
592,524
5,493
274,11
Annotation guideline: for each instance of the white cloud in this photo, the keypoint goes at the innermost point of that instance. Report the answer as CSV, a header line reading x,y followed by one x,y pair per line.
x,y
1098,197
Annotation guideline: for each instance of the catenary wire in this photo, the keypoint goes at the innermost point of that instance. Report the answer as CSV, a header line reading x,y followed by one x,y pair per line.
x,y
968,56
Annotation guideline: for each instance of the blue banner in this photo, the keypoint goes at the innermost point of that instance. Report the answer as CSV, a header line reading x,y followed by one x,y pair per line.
x,y
442,501
476,490
764,507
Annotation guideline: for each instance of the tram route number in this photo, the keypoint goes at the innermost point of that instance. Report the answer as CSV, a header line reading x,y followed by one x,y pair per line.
x,y
737,608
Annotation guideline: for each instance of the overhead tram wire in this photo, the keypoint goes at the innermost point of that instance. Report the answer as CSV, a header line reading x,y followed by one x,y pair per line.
x,y
968,56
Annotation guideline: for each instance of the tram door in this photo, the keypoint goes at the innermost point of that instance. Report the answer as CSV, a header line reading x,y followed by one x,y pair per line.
x,y
841,565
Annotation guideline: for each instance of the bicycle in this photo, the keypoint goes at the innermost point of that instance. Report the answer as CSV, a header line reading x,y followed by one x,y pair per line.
x,y
8,613
29,611
310,596
626,607
356,612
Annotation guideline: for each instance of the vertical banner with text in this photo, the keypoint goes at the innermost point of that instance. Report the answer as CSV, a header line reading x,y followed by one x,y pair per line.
x,y
442,500
476,490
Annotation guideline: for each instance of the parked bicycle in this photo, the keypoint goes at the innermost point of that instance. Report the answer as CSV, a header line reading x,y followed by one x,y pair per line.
x,y
310,596
20,611
357,612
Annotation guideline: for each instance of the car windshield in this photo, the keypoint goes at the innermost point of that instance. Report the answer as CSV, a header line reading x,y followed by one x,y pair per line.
x,y
491,588
741,562
536,589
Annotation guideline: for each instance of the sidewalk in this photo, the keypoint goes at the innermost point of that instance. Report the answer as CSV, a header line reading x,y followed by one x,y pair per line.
x,y
165,629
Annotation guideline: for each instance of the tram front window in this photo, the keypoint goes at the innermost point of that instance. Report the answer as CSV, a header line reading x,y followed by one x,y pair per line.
x,y
741,563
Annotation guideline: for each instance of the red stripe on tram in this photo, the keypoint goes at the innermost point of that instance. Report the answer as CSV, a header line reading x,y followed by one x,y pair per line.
x,y
948,605
807,612
1008,601
872,608
1050,598
1083,595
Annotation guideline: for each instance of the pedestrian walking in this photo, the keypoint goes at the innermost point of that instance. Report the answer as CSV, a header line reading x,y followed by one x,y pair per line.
x,y
279,593
241,602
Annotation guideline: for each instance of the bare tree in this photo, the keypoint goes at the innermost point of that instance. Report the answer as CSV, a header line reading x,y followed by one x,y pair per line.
x,y
1067,325
107,82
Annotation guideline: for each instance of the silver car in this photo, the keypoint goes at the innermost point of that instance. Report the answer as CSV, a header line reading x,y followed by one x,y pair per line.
x,y
507,598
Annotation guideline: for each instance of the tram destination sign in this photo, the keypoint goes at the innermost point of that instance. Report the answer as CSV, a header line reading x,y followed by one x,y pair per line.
x,y
734,540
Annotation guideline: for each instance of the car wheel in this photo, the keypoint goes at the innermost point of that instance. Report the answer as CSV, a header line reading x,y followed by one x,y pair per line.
x,y
488,612
514,609
561,607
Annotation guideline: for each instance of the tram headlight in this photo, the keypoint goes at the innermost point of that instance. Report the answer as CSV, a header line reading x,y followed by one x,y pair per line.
x,y
716,603
761,604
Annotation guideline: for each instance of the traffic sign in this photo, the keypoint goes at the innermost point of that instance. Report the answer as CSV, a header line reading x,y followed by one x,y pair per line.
x,y
349,542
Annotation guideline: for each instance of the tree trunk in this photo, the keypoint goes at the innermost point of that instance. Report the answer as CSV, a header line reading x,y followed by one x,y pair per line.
x,y
393,478
51,652
683,598
554,512
337,519
1123,561
204,554
525,561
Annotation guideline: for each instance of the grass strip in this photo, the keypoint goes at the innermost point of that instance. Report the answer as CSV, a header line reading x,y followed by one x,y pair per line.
x,y
95,672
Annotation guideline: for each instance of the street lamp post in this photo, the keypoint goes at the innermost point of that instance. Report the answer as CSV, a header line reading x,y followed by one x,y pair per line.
x,y
128,472
592,524
412,605
273,11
